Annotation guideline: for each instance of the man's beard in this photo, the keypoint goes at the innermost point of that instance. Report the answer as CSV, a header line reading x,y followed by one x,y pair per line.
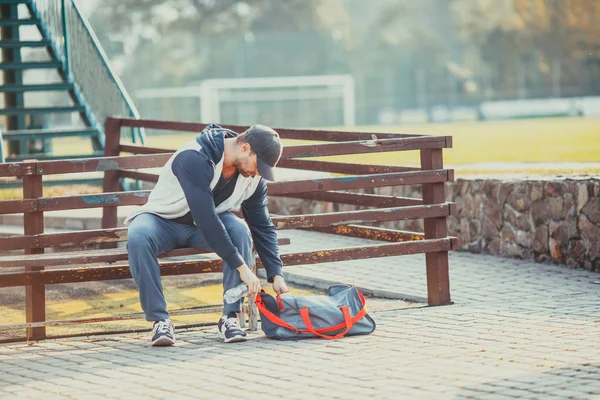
x,y
239,165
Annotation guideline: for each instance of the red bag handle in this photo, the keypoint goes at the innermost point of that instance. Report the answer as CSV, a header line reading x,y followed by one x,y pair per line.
x,y
272,317
347,322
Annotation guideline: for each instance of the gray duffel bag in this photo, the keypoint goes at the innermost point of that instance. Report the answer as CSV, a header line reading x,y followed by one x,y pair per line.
x,y
340,313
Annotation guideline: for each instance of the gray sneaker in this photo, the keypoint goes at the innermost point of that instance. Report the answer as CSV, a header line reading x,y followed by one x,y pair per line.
x,y
162,333
229,326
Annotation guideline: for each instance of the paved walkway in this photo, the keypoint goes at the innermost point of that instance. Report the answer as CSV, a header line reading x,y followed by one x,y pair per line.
x,y
517,330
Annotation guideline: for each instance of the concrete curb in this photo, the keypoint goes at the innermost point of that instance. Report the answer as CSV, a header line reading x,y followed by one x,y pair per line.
x,y
322,284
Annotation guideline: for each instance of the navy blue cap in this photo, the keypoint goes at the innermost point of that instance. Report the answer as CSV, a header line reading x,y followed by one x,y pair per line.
x,y
267,145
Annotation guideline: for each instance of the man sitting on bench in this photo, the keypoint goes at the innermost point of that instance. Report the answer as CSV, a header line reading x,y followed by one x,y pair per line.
x,y
219,171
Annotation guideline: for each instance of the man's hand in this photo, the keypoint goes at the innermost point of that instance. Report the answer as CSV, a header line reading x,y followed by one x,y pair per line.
x,y
248,277
279,285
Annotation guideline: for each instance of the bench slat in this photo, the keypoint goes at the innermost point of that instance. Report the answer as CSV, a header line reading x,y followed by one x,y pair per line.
x,y
275,189
343,168
301,134
12,169
82,238
361,147
133,198
361,181
372,233
361,216
54,276
17,206
101,164
91,256
358,199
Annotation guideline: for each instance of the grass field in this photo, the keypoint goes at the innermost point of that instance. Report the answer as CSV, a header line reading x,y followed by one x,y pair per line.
x,y
553,140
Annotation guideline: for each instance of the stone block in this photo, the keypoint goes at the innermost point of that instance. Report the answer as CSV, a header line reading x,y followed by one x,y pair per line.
x,y
454,225
474,247
590,233
507,234
577,250
492,210
524,238
540,240
517,219
494,246
571,263
558,232
511,249
592,210
540,213
554,189
489,230
474,230
504,190
537,191
519,197
489,188
477,201
555,207
555,250
476,186
582,195
569,209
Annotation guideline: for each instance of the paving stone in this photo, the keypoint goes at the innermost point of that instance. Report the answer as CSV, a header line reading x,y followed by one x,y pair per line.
x,y
517,330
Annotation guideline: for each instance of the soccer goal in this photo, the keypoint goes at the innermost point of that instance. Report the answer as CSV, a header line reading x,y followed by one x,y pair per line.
x,y
299,101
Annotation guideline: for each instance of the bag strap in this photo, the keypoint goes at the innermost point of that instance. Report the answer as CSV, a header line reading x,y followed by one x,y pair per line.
x,y
347,322
359,315
260,304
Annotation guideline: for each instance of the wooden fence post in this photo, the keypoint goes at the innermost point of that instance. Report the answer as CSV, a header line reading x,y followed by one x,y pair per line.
x,y
438,281
33,224
252,309
111,178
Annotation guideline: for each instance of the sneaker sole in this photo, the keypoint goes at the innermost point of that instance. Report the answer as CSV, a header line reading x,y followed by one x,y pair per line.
x,y
163,341
235,339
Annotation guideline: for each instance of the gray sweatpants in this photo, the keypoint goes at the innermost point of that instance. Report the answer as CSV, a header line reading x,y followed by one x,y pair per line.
x,y
149,235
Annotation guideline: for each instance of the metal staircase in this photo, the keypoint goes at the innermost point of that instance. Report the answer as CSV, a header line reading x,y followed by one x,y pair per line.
x,y
71,54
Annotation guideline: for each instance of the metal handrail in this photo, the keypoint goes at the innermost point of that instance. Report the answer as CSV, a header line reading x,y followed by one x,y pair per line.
x,y
85,63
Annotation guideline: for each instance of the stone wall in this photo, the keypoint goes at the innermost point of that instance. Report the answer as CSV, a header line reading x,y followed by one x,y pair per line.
x,y
556,220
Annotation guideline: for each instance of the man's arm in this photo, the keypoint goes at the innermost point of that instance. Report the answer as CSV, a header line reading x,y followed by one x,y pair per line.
x,y
263,231
194,171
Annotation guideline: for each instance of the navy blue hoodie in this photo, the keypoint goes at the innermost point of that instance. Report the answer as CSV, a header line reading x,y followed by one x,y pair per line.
x,y
190,189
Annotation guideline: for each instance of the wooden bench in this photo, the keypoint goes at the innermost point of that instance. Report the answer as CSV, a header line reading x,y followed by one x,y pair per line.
x,y
71,260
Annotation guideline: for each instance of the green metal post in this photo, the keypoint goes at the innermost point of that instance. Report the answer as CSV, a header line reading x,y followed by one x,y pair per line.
x,y
65,39
1,148
14,122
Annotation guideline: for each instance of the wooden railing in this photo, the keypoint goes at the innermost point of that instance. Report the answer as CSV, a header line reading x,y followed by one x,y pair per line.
x,y
432,208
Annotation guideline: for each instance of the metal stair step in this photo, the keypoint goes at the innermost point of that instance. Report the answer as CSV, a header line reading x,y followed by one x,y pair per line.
x,y
8,2
36,87
30,65
29,134
51,157
11,44
41,110
19,22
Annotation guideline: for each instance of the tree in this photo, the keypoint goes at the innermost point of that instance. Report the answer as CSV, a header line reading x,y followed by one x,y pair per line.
x,y
531,37
187,40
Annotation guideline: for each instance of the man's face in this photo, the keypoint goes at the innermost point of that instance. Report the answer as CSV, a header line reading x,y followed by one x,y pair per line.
x,y
246,162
